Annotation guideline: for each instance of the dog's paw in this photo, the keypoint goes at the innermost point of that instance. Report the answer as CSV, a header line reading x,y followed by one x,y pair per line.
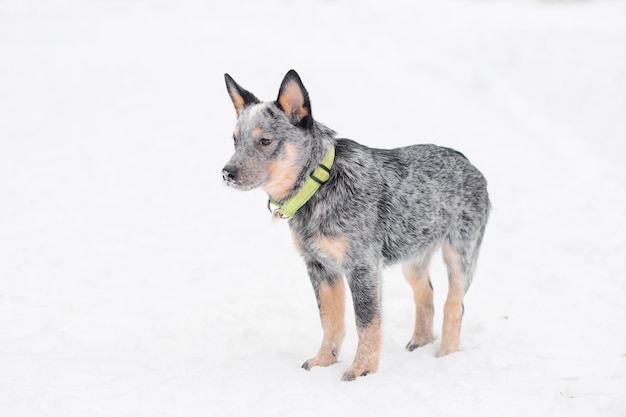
x,y
365,363
412,346
447,350
351,375
419,342
359,369
320,360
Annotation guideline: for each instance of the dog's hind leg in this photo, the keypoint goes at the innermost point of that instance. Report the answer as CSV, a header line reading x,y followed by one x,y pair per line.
x,y
365,286
460,260
330,293
416,273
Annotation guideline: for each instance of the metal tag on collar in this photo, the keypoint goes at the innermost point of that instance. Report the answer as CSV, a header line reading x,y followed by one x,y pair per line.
x,y
276,213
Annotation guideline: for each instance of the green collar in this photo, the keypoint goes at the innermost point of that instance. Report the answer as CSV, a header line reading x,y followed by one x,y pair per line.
x,y
313,182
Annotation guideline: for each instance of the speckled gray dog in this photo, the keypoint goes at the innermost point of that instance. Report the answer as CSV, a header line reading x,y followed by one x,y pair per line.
x,y
377,207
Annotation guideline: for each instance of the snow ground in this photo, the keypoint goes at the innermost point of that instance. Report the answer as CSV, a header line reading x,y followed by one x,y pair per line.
x,y
132,283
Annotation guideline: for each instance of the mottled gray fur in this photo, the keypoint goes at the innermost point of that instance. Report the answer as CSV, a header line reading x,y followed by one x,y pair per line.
x,y
385,206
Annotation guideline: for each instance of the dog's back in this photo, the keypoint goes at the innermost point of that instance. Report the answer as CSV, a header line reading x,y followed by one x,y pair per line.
x,y
399,202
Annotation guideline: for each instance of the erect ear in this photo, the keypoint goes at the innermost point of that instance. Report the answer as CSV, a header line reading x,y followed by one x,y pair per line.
x,y
240,97
293,100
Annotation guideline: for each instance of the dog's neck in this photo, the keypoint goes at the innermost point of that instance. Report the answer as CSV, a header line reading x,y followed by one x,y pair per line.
x,y
319,140
313,182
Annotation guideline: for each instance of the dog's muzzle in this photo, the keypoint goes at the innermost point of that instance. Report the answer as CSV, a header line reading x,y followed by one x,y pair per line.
x,y
229,173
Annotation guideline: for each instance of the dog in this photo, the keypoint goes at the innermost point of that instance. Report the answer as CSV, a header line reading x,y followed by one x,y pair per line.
x,y
353,210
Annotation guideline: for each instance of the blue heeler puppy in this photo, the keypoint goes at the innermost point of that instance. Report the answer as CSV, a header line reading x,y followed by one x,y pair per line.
x,y
353,209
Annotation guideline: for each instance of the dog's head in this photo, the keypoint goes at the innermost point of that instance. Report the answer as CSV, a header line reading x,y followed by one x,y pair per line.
x,y
271,138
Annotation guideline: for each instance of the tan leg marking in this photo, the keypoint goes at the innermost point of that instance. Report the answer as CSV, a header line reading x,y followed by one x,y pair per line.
x,y
367,352
334,247
332,312
297,242
453,308
282,174
423,296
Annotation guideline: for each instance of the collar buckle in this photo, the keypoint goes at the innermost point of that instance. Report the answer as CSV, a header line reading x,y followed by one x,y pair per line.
x,y
276,212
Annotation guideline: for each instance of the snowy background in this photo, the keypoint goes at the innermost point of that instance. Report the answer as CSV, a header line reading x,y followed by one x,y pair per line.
x,y
133,283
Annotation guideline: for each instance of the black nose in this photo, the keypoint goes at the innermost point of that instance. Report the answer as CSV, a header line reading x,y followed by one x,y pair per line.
x,y
229,173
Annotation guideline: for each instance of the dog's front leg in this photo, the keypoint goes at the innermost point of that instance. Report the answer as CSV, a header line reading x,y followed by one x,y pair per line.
x,y
366,295
330,294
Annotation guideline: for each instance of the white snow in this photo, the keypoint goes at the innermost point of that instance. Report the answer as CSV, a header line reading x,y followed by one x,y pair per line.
x,y
133,283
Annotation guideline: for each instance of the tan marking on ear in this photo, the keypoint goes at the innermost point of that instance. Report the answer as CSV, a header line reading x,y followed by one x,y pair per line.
x,y
334,247
256,132
238,101
282,174
332,314
453,308
367,352
292,101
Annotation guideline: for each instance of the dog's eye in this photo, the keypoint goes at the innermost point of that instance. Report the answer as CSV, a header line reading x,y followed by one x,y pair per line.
x,y
234,140
265,141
